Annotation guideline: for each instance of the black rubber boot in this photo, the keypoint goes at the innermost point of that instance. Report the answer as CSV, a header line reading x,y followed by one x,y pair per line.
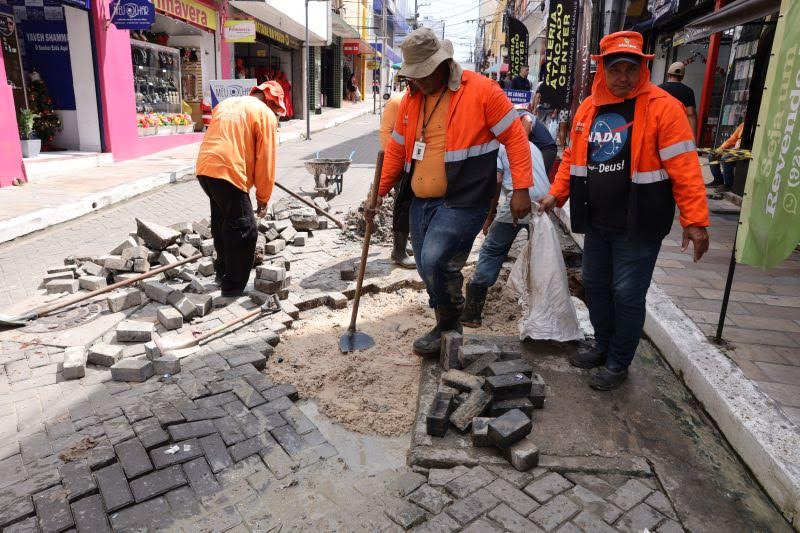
x,y
605,379
476,297
399,254
588,358
430,344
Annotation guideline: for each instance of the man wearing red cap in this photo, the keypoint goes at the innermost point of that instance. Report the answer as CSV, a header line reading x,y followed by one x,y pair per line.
x,y
238,152
631,158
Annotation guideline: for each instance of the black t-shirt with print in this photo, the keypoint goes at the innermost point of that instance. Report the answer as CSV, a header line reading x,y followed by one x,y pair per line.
x,y
683,93
609,166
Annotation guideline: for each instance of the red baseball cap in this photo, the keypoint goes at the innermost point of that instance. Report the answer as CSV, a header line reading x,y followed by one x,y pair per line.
x,y
273,93
622,42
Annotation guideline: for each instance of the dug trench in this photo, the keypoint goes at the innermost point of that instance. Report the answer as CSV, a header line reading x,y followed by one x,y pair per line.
x,y
650,428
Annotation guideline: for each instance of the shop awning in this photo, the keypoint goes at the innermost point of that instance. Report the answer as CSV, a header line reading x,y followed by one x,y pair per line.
x,y
340,27
734,14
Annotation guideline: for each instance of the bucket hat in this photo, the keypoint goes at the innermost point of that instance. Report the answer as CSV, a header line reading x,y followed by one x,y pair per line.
x,y
422,53
273,93
622,42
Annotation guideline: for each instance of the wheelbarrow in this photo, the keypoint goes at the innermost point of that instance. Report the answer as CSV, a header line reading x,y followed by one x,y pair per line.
x,y
328,174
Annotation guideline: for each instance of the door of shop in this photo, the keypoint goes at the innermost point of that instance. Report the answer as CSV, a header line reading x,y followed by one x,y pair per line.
x,y
326,84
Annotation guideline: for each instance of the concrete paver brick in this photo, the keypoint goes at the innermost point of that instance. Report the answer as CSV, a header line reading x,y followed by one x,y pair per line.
x,y
589,522
289,439
169,317
405,514
150,433
168,364
52,508
118,429
74,365
598,486
92,283
134,331
548,486
438,477
104,354
480,432
90,515
299,421
468,509
670,526
189,430
215,400
509,428
512,496
246,448
555,512
629,494
133,458
511,520
157,483
187,450
512,475
522,455
594,504
430,499
441,523
404,485
661,503
151,515
183,503
201,478
216,453
639,518
470,482
69,286
113,487
229,430
481,526
133,369
125,299
278,461
77,480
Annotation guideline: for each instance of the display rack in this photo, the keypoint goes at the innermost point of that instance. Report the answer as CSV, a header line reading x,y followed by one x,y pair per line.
x,y
191,75
156,77
737,83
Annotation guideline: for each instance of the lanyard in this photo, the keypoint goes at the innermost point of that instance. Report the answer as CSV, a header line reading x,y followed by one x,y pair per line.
x,y
426,121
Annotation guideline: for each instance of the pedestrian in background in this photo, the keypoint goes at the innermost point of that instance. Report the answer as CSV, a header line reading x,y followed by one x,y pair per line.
x,y
237,154
631,159
681,92
521,81
446,138
499,227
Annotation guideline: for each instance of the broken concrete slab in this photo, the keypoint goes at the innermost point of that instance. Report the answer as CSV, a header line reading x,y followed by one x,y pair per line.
x,y
74,366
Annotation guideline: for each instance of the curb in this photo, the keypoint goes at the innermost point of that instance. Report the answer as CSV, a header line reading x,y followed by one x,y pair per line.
x,y
763,437
34,221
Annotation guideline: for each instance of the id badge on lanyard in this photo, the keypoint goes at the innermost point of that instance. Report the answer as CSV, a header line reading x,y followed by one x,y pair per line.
x,y
419,150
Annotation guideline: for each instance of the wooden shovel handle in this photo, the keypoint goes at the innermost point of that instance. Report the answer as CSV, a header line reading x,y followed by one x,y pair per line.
x,y
309,204
373,197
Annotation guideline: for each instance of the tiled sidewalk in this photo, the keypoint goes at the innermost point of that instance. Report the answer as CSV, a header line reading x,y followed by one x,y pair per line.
x,y
762,329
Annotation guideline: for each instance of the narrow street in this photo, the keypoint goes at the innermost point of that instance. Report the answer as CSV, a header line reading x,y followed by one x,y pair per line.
x,y
348,451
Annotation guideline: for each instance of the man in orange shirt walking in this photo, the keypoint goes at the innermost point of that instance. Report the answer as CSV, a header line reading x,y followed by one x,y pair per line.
x,y
238,152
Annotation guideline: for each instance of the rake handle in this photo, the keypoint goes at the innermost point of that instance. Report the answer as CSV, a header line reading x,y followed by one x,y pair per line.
x,y
70,301
373,197
309,204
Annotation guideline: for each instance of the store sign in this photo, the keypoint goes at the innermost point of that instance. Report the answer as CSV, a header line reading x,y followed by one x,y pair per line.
x,y
224,89
662,10
240,31
517,43
562,26
132,14
189,10
519,97
275,34
351,48
770,217
373,65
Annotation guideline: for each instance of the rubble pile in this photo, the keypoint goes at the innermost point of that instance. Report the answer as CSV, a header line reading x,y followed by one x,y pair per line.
x,y
180,295
355,226
491,391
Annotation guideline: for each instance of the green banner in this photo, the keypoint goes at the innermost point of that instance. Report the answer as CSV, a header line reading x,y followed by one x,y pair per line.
x,y
770,219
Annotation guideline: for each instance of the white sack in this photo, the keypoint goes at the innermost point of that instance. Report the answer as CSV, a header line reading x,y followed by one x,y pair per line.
x,y
539,277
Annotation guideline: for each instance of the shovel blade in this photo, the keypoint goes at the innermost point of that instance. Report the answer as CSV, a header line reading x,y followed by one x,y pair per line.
x,y
355,341
9,321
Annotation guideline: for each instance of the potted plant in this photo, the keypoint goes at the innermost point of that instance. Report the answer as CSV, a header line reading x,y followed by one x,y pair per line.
x,y
31,145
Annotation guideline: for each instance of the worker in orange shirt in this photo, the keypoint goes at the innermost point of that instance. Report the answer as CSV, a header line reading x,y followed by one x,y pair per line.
x,y
723,177
238,153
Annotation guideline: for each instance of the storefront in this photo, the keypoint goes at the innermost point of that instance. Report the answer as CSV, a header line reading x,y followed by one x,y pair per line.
x,y
356,55
274,55
47,56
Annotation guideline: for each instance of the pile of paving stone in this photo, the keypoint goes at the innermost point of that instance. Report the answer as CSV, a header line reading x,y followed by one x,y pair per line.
x,y
185,293
490,391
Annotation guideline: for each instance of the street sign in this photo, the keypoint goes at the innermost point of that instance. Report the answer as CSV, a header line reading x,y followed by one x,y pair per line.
x,y
373,65
519,97
224,89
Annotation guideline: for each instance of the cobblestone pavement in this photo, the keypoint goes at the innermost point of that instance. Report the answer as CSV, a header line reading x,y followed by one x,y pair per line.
x,y
23,262
498,498
762,329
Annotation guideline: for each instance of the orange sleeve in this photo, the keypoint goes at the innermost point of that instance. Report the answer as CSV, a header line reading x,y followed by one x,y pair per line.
x,y
678,155
264,125
560,186
388,119
731,141
504,122
395,153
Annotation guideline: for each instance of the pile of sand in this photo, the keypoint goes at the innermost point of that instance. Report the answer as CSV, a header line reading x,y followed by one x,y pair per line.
x,y
373,391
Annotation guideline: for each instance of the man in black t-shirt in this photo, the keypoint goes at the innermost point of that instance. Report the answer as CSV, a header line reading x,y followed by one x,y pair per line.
x,y
682,92
520,81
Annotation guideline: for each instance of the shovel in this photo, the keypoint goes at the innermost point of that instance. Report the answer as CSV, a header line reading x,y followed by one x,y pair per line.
x,y
169,345
21,320
356,340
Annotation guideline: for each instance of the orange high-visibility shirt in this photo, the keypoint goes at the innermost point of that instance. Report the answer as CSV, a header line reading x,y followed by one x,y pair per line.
x,y
240,146
429,179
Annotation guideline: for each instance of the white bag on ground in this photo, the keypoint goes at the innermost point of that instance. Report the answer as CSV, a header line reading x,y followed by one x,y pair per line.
x,y
539,278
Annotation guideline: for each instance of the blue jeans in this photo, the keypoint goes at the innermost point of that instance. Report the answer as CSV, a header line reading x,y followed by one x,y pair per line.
x,y
616,275
723,172
494,251
442,238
